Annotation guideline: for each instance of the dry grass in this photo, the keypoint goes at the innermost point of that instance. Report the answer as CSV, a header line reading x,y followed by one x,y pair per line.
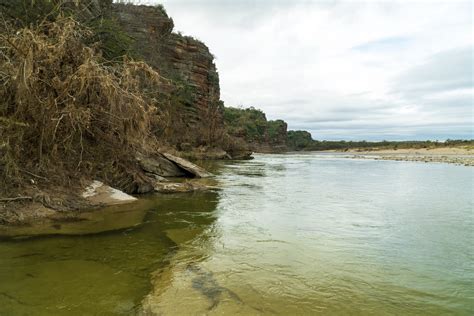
x,y
66,113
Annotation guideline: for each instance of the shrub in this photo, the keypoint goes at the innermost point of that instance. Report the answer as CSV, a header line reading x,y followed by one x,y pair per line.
x,y
62,108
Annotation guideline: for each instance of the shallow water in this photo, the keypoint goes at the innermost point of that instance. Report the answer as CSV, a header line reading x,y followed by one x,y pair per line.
x,y
292,234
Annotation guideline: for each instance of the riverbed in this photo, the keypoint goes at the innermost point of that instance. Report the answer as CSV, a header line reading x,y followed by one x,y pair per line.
x,y
290,234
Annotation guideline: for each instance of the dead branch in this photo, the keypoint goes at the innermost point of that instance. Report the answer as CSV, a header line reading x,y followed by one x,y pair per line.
x,y
34,175
18,198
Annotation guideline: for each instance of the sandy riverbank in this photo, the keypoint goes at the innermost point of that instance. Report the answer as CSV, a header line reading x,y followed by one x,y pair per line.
x,y
415,151
458,155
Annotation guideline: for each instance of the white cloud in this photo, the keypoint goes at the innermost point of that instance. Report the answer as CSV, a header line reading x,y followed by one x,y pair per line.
x,y
342,69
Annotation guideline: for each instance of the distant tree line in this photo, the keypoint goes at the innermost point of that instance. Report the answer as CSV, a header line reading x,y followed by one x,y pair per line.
x,y
302,140
251,125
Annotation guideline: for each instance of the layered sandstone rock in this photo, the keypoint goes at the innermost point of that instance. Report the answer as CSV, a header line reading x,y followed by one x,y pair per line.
x,y
190,79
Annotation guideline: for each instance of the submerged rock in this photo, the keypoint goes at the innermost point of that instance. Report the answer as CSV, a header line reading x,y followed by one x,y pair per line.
x,y
200,286
180,187
188,166
51,222
72,213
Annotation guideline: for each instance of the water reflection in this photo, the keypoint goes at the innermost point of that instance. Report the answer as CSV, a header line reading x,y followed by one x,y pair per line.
x,y
62,275
287,234
325,235
110,218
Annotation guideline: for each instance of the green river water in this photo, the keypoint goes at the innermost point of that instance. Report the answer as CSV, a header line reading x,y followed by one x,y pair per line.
x,y
293,234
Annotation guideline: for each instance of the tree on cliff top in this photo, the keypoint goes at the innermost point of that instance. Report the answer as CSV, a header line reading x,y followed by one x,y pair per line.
x,y
94,14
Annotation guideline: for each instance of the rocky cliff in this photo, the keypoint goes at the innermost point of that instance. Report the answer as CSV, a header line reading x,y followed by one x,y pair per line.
x,y
191,88
190,114
251,125
190,79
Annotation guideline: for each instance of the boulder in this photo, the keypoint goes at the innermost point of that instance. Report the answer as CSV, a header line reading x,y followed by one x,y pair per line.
x,y
157,177
188,166
159,165
99,193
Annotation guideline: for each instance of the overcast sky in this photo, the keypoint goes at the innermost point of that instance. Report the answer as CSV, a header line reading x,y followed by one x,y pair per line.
x,y
343,69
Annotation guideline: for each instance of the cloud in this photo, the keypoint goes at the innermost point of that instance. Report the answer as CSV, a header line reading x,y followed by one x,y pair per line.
x,y
445,71
384,44
343,69
440,90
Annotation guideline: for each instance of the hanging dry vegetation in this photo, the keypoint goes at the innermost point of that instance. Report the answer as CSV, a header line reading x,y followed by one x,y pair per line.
x,y
65,112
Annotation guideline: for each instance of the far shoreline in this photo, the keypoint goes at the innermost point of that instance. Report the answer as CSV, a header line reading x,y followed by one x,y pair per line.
x,y
410,151
452,155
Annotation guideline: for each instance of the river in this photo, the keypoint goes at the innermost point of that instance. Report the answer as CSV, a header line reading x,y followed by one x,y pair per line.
x,y
290,234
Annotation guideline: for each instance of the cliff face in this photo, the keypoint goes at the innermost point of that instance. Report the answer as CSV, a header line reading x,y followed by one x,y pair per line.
x,y
191,82
190,88
186,95
251,125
